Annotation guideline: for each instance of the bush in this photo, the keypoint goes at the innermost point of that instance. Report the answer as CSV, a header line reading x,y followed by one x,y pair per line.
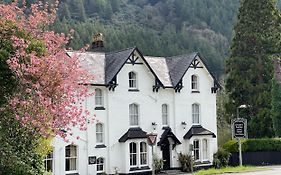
x,y
186,162
221,158
158,164
253,145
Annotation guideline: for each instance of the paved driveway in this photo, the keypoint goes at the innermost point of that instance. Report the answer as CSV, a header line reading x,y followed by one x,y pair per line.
x,y
272,170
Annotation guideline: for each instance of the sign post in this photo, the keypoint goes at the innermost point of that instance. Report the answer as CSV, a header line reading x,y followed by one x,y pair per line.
x,y
239,130
151,140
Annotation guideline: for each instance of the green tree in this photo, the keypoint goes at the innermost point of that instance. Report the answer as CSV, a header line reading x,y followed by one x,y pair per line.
x,y
249,68
18,153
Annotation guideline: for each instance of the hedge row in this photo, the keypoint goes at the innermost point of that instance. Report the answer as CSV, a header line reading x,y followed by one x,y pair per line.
x,y
252,145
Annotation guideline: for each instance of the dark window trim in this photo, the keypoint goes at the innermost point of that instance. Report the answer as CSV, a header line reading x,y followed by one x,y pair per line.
x,y
139,168
195,91
99,108
100,146
133,90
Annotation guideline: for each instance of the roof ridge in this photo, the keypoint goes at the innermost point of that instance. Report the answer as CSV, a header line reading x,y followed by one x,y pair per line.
x,y
117,51
186,54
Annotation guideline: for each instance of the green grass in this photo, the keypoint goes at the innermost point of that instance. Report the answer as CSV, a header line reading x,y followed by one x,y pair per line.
x,y
229,170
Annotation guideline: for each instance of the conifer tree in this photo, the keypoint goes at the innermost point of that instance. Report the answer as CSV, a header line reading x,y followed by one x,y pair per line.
x,y
249,68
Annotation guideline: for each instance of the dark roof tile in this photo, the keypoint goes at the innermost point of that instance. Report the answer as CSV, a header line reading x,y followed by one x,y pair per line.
x,y
133,133
197,130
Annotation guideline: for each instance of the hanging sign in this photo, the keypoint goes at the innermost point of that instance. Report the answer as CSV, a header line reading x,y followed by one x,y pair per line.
x,y
239,128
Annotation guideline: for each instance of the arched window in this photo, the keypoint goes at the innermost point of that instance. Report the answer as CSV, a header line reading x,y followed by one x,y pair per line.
x,y
132,80
205,149
195,114
194,83
133,154
98,97
71,158
100,165
48,162
134,114
196,149
99,133
165,114
143,153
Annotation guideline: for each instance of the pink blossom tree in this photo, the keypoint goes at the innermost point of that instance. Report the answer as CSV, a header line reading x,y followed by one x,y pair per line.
x,y
51,91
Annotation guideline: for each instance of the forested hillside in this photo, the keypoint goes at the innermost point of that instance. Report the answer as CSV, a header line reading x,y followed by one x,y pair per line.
x,y
157,27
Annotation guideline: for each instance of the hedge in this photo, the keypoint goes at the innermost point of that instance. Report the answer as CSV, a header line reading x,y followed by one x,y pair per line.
x,y
253,145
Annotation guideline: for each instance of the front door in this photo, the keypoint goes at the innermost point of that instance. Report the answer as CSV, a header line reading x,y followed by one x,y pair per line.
x,y
166,154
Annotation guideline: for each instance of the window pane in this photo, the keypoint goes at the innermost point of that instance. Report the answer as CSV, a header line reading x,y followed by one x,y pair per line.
x,y
132,80
165,114
205,149
134,114
70,157
133,154
195,113
196,149
194,82
143,153
100,165
98,97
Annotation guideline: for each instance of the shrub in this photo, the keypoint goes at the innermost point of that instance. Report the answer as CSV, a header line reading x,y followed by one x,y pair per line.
x,y
252,145
158,164
221,158
186,162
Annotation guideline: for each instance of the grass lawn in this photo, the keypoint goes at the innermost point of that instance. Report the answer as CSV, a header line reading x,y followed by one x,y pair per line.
x,y
229,170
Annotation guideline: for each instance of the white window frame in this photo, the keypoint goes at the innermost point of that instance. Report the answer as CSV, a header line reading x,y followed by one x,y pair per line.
x,y
195,114
98,97
47,159
195,149
143,153
165,115
134,155
205,151
194,82
99,132
75,157
100,164
133,80
134,114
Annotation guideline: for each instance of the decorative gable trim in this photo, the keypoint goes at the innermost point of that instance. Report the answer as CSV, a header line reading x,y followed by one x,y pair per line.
x,y
195,64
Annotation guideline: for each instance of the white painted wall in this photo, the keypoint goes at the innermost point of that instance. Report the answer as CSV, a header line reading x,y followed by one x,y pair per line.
x,y
115,118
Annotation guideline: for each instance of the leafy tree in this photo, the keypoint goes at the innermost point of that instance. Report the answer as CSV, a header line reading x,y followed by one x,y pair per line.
x,y
276,99
249,67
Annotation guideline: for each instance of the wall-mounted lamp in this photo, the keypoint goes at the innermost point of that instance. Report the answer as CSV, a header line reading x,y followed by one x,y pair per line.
x,y
183,124
154,125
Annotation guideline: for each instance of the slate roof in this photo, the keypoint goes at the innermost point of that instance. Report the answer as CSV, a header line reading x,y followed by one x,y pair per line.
x,y
197,130
178,65
115,61
105,66
168,134
133,133
160,67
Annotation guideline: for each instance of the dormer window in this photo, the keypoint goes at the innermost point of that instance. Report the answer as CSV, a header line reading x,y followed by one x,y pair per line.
x,y
132,80
194,83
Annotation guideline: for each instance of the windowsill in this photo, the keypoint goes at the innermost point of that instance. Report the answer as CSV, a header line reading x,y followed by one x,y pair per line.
x,y
99,108
195,91
71,173
199,162
196,124
100,146
145,167
133,90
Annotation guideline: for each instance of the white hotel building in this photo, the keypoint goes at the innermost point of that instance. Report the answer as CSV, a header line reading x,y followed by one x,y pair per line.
x,y
174,97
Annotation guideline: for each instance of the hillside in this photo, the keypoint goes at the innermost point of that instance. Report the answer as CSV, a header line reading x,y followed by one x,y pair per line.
x,y
157,27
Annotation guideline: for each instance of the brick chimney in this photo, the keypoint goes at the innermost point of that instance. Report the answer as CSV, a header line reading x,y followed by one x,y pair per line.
x,y
97,41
